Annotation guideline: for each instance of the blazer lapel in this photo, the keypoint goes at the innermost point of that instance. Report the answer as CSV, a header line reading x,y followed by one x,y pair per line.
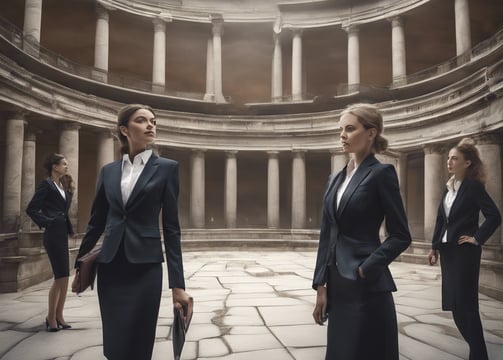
x,y
147,173
361,173
331,193
54,187
113,182
458,200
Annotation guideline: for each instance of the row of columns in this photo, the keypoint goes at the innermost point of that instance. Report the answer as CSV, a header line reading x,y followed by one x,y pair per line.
x,y
214,91
20,169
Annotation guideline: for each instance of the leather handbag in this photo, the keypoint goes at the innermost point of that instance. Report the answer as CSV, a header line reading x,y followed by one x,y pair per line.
x,y
86,271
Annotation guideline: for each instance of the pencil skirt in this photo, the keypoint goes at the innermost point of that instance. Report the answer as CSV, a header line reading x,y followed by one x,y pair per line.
x,y
129,297
55,242
362,325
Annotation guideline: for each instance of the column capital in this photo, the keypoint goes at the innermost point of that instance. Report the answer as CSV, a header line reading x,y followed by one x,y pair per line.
x,y
434,149
217,22
198,151
160,23
102,11
67,125
397,20
297,31
487,139
231,153
30,135
351,28
273,153
278,25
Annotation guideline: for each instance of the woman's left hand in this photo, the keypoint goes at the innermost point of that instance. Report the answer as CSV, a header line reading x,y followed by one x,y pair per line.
x,y
467,239
182,300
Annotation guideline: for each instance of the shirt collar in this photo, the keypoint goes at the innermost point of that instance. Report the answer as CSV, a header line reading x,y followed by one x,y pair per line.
x,y
141,157
453,184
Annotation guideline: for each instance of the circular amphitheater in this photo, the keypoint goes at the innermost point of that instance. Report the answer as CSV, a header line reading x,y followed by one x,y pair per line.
x,y
247,96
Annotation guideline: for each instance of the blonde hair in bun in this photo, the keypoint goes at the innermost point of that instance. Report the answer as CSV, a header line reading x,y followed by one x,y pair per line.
x,y
370,117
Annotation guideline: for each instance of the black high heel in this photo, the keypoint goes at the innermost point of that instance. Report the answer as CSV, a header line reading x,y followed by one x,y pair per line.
x,y
63,326
48,327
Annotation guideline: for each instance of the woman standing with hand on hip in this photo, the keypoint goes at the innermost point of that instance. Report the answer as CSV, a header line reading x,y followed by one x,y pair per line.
x,y
351,277
458,238
49,209
129,197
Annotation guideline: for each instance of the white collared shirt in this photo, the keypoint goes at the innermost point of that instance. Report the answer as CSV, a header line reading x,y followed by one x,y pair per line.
x,y
61,191
350,171
131,172
452,191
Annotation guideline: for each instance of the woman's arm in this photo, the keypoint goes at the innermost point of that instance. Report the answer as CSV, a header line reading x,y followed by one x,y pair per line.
x,y
36,204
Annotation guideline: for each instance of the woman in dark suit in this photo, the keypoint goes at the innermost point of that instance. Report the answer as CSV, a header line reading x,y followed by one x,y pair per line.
x,y
351,277
129,197
49,209
458,238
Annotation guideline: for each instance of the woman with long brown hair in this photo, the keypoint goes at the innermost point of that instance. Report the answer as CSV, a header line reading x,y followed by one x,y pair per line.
x,y
458,239
49,210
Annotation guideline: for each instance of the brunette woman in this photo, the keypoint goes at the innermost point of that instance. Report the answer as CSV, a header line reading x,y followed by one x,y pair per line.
x,y
458,239
49,209
129,197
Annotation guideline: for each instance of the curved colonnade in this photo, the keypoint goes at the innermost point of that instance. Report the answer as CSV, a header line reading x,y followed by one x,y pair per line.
x,y
254,171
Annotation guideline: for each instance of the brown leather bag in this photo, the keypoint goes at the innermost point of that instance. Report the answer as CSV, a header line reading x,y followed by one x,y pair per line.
x,y
86,271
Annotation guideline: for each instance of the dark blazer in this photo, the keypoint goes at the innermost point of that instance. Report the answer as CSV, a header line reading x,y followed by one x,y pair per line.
x,y
463,219
350,235
47,205
137,222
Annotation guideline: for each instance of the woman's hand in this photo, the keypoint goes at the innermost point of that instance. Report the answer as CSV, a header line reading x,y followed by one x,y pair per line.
x,y
75,282
463,239
433,256
183,301
320,309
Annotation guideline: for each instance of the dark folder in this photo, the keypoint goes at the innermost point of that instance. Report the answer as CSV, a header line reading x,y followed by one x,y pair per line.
x,y
180,328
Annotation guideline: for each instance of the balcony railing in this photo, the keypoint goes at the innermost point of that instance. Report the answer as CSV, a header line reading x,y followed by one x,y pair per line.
x,y
15,36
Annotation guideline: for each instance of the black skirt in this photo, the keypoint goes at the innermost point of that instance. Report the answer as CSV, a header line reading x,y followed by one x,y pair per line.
x,y
129,296
460,266
362,324
55,241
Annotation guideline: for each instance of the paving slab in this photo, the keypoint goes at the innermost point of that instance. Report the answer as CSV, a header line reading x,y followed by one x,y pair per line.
x,y
248,305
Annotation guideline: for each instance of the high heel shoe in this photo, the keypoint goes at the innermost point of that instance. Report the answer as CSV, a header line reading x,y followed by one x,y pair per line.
x,y
63,326
48,327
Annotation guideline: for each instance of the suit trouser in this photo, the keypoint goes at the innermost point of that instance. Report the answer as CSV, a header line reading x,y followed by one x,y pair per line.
x,y
470,327
362,325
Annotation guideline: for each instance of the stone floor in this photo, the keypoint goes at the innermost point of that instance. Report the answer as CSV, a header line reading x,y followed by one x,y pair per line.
x,y
248,305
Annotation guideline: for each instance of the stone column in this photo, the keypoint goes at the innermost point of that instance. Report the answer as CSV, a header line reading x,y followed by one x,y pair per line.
x,y
277,71
101,44
490,154
273,210
159,59
218,30
14,134
353,55
197,195
337,160
231,189
402,177
210,76
32,25
69,147
297,65
462,23
434,185
398,49
298,190
28,178
106,152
